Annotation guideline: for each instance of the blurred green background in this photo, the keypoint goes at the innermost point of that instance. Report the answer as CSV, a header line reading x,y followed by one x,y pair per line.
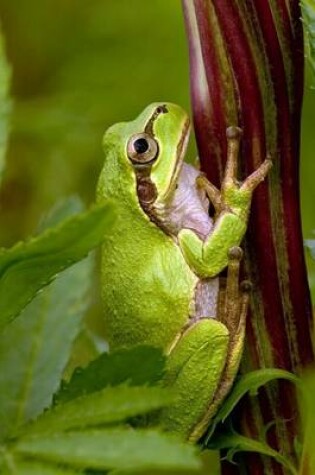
x,y
79,66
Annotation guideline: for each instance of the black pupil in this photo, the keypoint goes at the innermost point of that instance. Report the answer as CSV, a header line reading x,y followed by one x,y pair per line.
x,y
141,145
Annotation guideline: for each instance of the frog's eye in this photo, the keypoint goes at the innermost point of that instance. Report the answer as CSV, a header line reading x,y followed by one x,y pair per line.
x,y
142,149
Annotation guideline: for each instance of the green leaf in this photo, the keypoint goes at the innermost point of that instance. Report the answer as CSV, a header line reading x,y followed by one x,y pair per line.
x,y
151,471
310,245
31,265
308,10
238,443
111,449
100,408
5,103
35,348
43,334
210,466
85,348
250,382
307,406
27,467
138,365
211,462
62,210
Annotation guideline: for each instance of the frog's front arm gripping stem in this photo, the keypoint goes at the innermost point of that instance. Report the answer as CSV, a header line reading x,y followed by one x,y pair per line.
x,y
208,258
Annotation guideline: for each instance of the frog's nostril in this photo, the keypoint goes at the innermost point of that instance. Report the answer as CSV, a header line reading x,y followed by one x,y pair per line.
x,y
162,109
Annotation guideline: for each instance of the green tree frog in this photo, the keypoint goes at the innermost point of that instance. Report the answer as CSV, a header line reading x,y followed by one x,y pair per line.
x,y
160,266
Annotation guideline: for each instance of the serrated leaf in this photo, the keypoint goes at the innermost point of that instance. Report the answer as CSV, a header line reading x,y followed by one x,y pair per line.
x,y
138,365
5,102
238,443
35,348
84,350
308,9
62,210
31,265
111,449
104,407
249,382
26,467
43,334
154,471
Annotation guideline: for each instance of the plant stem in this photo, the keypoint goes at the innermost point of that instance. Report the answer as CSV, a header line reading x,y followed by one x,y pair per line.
x,y
246,69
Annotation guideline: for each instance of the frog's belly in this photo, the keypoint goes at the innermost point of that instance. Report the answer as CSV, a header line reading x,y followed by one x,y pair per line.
x,y
206,297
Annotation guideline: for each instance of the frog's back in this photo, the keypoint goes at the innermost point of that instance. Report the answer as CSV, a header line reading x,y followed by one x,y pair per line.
x,y
147,286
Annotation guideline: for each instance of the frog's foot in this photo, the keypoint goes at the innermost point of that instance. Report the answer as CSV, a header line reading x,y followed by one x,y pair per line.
x,y
212,192
232,311
234,196
233,297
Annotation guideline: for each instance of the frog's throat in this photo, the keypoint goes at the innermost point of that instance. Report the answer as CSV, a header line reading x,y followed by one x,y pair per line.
x,y
151,203
180,155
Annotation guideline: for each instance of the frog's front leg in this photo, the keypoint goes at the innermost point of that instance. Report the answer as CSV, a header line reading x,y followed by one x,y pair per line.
x,y
203,361
208,258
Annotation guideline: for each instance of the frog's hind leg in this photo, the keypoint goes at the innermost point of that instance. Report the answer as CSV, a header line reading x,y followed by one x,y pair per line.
x,y
203,361
194,368
232,311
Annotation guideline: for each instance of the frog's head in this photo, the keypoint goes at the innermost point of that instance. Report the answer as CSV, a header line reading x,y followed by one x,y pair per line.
x,y
149,151
156,150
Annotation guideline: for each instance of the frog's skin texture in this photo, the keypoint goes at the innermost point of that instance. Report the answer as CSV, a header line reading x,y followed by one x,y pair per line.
x,y
160,265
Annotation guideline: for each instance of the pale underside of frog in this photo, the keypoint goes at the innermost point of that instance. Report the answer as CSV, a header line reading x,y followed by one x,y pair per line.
x,y
161,265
